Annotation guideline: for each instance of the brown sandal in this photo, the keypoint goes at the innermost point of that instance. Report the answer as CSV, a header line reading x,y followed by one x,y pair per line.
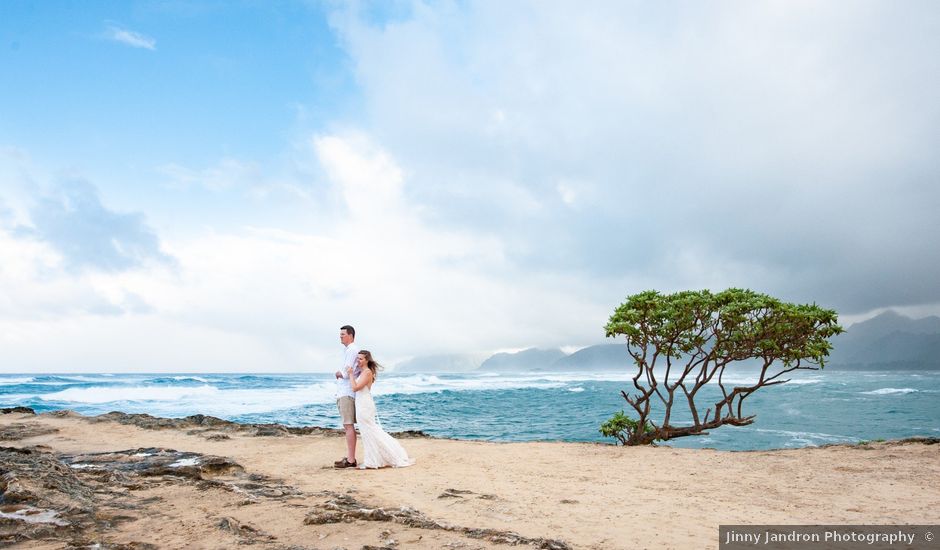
x,y
345,463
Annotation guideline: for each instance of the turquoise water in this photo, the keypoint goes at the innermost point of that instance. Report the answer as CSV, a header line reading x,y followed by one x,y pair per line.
x,y
815,408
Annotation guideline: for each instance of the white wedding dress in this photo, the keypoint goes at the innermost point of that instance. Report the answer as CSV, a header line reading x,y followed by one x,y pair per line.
x,y
378,448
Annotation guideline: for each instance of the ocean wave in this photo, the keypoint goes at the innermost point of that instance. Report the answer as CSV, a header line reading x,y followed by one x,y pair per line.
x,y
749,381
115,394
805,381
175,401
61,380
43,380
429,383
175,397
16,380
809,438
578,389
890,391
567,377
175,379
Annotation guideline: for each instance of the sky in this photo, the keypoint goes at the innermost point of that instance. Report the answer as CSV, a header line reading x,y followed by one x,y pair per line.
x,y
209,186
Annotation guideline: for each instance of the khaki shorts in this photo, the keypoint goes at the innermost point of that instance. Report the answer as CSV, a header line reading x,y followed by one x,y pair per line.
x,y
347,409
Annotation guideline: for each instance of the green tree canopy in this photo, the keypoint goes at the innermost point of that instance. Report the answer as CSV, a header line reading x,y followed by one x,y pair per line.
x,y
682,341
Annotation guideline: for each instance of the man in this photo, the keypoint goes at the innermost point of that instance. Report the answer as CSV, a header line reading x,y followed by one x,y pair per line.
x,y
346,397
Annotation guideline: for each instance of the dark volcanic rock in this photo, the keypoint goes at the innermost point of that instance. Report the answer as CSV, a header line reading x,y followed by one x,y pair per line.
x,y
37,477
341,508
153,461
920,440
411,434
22,430
213,428
200,423
157,423
246,534
78,498
136,469
40,496
21,410
99,545
458,493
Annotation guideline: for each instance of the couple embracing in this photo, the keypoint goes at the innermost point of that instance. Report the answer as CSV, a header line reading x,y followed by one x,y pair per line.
x,y
354,400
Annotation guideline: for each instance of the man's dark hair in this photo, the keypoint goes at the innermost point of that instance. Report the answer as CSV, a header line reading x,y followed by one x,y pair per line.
x,y
349,330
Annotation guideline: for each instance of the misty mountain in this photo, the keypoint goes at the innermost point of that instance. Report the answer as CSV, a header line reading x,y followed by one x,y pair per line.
x,y
451,362
889,341
525,360
599,357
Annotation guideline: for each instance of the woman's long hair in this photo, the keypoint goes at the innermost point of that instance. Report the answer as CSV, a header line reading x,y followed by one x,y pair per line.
x,y
370,362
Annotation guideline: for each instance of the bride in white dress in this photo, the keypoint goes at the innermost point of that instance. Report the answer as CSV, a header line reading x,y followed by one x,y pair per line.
x,y
378,448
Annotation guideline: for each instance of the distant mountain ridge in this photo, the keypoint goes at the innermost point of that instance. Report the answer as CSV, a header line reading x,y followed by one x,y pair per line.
x,y
451,362
602,356
598,357
529,359
889,341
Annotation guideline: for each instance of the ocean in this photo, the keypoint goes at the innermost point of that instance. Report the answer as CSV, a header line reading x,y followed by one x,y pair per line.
x,y
814,408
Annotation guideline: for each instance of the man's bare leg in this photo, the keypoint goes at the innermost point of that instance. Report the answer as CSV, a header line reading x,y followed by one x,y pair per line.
x,y
350,442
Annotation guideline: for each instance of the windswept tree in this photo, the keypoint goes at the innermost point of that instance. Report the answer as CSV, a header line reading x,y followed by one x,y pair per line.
x,y
681,342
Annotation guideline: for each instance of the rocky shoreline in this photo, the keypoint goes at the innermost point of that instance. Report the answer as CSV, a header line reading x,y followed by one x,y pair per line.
x,y
207,426
78,500
134,481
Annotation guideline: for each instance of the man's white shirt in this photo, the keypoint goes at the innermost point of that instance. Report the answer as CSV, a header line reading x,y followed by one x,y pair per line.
x,y
344,385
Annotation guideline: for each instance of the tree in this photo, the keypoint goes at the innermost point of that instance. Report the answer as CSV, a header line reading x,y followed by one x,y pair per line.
x,y
680,342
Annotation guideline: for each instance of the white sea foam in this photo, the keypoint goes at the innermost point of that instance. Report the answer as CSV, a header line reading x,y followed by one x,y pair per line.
x,y
804,381
63,379
751,380
206,399
80,378
429,383
114,394
60,380
172,400
518,378
809,438
16,380
613,376
578,389
196,378
890,391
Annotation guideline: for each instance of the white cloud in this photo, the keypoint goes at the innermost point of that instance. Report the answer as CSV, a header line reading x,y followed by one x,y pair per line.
x,y
516,171
369,181
226,174
130,38
272,299
775,135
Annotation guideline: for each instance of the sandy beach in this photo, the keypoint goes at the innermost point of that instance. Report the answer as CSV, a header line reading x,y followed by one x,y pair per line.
x,y
229,485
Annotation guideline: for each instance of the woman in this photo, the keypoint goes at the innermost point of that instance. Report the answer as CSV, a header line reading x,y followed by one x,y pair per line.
x,y
378,448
